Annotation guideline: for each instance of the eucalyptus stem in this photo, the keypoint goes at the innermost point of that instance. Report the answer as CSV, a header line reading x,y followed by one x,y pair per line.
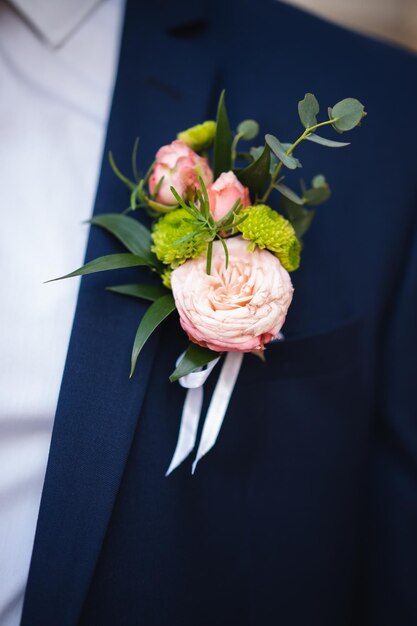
x,y
290,150
235,141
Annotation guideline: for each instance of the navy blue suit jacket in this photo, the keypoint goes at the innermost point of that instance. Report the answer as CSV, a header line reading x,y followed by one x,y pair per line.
x,y
305,512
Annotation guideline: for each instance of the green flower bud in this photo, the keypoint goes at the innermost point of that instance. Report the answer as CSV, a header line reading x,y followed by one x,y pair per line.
x,y
167,235
199,137
266,228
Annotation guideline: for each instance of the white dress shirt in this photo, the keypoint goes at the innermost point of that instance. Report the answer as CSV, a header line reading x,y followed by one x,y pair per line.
x,y
54,105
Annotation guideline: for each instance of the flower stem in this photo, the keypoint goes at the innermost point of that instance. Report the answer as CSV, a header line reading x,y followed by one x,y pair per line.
x,y
290,150
209,256
236,139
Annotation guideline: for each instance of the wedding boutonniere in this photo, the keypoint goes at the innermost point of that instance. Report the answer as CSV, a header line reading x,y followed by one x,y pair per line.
x,y
222,250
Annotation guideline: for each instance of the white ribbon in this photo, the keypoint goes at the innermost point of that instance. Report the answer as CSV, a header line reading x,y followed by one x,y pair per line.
x,y
193,404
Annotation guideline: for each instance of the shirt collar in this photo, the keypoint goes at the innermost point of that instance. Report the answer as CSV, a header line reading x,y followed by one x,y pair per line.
x,y
54,21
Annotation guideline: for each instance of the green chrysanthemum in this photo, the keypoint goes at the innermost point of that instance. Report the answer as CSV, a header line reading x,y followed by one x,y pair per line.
x,y
167,235
200,136
266,228
166,277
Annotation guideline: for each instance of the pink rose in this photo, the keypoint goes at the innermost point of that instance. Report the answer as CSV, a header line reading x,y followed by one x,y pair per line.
x,y
180,166
239,309
224,192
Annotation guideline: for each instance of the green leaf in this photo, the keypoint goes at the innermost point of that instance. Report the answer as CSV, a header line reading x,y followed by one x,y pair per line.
x,y
319,181
289,193
134,235
319,193
248,129
205,205
348,113
245,156
308,109
256,152
225,250
331,116
105,263
299,217
302,223
317,196
190,208
229,215
157,187
133,199
222,141
239,221
289,161
157,312
194,357
147,292
326,142
256,175
119,174
209,256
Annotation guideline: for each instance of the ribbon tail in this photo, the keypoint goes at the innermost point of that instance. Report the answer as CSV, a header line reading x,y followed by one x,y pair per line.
x,y
188,428
219,403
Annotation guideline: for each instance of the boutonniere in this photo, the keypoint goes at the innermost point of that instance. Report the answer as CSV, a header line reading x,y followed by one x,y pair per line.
x,y
225,236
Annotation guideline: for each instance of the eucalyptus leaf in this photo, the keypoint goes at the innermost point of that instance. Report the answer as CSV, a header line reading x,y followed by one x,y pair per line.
x,y
302,223
319,192
244,156
256,152
331,116
289,161
308,109
146,292
347,113
194,357
131,233
256,175
274,163
326,142
319,181
106,263
317,195
223,140
248,129
157,312
299,217
289,193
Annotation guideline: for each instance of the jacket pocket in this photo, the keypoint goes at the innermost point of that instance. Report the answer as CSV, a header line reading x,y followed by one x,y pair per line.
x,y
308,356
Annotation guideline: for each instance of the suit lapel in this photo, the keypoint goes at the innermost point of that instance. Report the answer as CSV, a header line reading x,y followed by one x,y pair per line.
x,y
157,93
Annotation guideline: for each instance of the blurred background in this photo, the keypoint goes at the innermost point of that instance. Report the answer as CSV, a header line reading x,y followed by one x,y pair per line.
x,y
393,20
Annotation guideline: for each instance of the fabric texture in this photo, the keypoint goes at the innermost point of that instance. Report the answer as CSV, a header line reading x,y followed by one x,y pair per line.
x,y
304,512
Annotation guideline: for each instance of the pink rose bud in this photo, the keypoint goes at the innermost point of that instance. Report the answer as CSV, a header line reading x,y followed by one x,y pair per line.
x,y
238,309
180,168
224,192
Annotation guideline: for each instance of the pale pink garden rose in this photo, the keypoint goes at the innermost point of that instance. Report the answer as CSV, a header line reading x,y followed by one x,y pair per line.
x,y
180,166
239,309
224,192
